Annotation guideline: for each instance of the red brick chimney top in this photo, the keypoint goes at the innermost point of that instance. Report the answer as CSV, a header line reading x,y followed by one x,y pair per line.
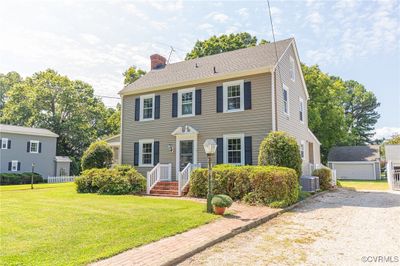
x,y
157,61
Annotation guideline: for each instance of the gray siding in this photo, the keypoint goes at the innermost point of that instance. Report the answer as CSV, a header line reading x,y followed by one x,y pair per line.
x,y
292,124
44,161
256,122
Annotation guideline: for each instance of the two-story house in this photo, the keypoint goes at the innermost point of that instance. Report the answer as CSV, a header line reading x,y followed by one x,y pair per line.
x,y
20,147
235,98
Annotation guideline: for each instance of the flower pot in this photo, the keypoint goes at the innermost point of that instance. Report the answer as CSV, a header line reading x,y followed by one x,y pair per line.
x,y
219,210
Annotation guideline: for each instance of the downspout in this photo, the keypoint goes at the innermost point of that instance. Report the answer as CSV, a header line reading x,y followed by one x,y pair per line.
x,y
121,129
273,100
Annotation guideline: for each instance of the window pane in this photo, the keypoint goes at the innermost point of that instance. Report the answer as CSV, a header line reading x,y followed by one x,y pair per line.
x,y
187,103
146,158
147,147
234,91
187,97
234,151
34,146
148,103
148,108
285,95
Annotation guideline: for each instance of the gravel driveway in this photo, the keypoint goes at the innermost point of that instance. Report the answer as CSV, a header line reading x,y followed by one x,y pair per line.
x,y
337,228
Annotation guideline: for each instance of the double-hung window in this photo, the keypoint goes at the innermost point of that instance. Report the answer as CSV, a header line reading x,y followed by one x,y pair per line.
x,y
34,146
186,102
234,149
147,107
4,143
233,96
146,149
302,149
292,72
301,110
14,166
285,97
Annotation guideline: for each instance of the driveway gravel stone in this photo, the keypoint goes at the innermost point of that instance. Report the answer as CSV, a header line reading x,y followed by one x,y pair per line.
x,y
344,227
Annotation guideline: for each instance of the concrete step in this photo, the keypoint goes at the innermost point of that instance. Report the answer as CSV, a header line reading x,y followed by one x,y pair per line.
x,y
164,192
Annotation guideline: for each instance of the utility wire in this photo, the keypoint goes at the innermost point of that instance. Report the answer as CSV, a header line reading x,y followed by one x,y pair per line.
x,y
109,97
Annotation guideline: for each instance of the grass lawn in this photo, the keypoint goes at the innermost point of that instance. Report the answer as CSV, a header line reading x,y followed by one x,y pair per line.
x,y
54,225
365,184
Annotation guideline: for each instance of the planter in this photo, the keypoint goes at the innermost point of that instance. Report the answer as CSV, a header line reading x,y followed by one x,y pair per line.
x,y
219,210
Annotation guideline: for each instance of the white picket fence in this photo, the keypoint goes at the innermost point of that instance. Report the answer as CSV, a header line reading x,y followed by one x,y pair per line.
x,y
60,179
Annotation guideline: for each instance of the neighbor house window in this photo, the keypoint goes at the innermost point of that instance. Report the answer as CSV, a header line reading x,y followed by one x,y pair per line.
x,y
4,143
292,69
285,97
233,96
302,149
34,146
234,149
147,110
14,166
301,110
186,102
146,152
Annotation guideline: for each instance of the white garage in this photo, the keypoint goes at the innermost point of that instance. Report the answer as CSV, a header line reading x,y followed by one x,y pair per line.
x,y
355,162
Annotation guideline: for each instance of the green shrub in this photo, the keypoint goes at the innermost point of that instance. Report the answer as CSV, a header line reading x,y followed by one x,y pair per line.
x,y
20,178
98,155
280,149
325,177
222,201
273,186
119,180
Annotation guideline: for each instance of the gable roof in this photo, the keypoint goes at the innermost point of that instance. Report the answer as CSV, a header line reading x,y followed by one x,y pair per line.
x,y
354,153
27,131
260,58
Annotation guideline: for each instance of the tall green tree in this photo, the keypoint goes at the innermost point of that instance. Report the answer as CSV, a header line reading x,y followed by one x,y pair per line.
x,y
131,74
7,81
66,107
222,43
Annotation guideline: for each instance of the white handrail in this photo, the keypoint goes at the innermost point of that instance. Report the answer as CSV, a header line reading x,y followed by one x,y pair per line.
x,y
158,173
184,176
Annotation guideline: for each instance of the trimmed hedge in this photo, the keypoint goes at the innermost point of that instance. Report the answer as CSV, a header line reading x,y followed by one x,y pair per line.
x,y
20,178
120,180
280,149
325,177
98,155
268,185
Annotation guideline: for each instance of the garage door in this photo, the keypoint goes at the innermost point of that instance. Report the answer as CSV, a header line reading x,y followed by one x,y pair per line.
x,y
355,171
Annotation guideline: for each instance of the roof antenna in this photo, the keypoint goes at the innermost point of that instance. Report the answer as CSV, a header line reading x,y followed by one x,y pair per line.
x,y
172,50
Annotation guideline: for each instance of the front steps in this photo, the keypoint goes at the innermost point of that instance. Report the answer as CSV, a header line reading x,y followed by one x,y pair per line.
x,y
165,188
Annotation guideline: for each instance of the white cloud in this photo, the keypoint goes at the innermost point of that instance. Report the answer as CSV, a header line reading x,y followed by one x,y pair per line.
x,y
386,132
243,12
217,16
90,38
170,6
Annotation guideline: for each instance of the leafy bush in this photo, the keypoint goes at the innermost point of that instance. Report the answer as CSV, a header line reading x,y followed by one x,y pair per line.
x,y
222,201
268,185
20,178
119,180
325,177
98,155
280,149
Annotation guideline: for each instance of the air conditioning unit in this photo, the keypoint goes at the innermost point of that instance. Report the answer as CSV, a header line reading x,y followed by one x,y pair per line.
x,y
309,183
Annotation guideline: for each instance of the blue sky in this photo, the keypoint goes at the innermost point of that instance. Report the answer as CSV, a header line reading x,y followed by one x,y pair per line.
x,y
96,41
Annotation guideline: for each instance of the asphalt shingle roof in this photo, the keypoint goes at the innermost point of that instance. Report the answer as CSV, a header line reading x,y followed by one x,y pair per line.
x,y
354,153
27,131
224,63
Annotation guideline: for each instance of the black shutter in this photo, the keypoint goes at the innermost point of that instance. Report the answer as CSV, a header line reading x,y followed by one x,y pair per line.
x,y
9,166
136,154
137,109
40,147
174,104
28,146
220,100
9,144
1,142
157,107
19,166
156,152
220,150
248,152
198,102
247,95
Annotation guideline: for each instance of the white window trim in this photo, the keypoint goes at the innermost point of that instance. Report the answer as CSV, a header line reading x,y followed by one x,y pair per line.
x,y
234,136
14,163
142,98
301,108
180,92
4,140
30,146
292,69
146,141
225,95
288,100
303,146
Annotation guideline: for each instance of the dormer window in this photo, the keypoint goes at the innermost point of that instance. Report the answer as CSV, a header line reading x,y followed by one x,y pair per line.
x,y
292,72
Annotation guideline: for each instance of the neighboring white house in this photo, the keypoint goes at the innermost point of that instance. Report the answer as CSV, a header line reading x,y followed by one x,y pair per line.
x,y
355,162
392,155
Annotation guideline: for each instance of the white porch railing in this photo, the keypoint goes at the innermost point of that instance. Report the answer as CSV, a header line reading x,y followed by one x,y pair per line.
x,y
184,176
160,172
60,179
393,176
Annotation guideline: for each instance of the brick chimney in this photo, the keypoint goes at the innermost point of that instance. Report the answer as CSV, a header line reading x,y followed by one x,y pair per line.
x,y
157,61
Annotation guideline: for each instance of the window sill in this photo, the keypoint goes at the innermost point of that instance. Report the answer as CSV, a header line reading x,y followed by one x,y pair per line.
x,y
145,165
146,120
234,111
183,116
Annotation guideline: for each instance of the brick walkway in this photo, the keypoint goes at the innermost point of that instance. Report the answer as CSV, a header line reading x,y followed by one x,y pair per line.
x,y
173,249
